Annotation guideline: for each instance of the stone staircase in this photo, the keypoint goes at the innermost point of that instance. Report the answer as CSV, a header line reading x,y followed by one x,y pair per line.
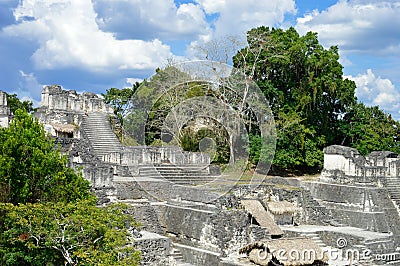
x,y
315,238
96,127
177,255
393,187
182,174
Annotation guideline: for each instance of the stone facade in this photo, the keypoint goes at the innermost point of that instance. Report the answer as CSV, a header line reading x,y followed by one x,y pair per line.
x,y
62,111
155,248
144,155
346,165
4,110
55,98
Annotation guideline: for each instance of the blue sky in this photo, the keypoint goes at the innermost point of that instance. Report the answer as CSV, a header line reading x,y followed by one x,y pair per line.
x,y
92,45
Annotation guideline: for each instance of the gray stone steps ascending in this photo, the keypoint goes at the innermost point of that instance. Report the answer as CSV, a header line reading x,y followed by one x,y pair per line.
x,y
393,187
178,174
314,237
177,255
97,128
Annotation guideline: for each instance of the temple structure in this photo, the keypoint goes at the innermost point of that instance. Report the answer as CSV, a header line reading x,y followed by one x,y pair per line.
x,y
174,195
4,110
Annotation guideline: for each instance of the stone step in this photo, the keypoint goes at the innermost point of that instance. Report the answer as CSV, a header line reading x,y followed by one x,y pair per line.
x,y
181,180
175,173
98,130
176,254
314,237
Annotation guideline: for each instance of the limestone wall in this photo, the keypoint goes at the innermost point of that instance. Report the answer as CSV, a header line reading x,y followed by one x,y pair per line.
x,y
60,123
61,110
154,247
147,155
346,165
359,206
4,110
81,158
55,98
198,256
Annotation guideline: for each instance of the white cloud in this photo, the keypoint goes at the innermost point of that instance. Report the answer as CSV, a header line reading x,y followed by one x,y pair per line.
x,y
132,81
29,89
170,21
357,26
232,21
237,17
373,90
69,36
104,35
148,18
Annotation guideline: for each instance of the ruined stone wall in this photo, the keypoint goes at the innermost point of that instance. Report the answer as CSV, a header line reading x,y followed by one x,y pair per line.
x,y
186,222
82,158
309,211
160,190
144,213
61,110
347,166
56,120
147,155
4,110
155,248
198,256
55,98
363,207
218,231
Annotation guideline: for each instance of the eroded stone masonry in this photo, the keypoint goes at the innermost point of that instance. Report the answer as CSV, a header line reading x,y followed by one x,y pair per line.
x,y
347,216
4,110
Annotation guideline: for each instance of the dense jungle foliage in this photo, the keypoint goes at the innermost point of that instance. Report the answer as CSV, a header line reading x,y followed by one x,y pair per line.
x,y
314,106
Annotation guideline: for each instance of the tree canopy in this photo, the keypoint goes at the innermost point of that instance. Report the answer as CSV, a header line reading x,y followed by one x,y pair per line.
x,y
31,169
76,233
311,100
15,103
119,99
48,214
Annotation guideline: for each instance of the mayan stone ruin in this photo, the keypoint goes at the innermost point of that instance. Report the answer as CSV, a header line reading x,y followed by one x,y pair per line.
x,y
4,110
349,215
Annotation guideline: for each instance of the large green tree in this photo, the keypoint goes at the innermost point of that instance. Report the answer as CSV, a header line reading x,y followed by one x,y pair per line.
x,y
48,215
313,104
304,85
370,129
31,169
71,234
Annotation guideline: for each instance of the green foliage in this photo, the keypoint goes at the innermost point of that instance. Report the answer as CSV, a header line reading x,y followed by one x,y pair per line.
x,y
119,99
47,212
14,103
304,85
31,169
215,143
313,105
370,129
171,98
66,234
